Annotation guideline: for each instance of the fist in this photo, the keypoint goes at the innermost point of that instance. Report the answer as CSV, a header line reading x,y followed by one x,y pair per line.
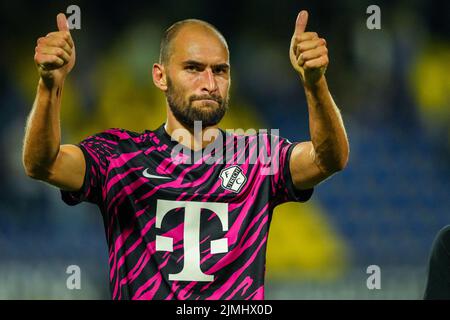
x,y
55,53
308,52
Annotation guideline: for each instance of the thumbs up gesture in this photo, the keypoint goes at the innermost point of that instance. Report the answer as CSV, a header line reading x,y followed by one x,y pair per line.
x,y
308,53
55,53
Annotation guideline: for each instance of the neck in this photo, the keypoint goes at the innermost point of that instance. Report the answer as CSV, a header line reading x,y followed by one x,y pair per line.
x,y
194,138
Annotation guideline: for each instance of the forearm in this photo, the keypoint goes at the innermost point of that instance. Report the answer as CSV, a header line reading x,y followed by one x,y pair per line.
x,y
327,129
42,133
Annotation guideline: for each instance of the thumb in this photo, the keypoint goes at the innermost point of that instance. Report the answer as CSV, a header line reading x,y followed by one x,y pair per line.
x,y
61,20
300,23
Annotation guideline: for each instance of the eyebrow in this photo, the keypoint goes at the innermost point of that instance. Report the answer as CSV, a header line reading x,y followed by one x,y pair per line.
x,y
225,66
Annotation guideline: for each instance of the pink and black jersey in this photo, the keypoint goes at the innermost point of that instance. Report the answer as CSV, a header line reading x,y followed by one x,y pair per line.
x,y
182,224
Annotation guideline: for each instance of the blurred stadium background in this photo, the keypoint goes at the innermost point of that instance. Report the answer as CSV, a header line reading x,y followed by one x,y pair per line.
x,y
393,88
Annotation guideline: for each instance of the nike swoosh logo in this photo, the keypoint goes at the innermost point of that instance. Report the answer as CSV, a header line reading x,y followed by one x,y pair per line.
x,y
152,176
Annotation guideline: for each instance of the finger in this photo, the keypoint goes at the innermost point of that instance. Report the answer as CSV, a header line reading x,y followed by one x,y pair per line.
x,y
62,23
314,53
301,22
62,34
48,62
55,42
54,51
300,61
310,44
316,63
305,36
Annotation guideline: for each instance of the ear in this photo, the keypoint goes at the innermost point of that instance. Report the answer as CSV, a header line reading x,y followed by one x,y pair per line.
x,y
159,76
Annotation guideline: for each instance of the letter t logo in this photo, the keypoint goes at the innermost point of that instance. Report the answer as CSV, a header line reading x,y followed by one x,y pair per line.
x,y
191,236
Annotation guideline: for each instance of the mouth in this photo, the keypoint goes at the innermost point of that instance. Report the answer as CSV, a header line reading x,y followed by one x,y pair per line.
x,y
207,101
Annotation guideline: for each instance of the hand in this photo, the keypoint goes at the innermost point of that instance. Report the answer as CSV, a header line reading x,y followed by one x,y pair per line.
x,y
308,52
55,53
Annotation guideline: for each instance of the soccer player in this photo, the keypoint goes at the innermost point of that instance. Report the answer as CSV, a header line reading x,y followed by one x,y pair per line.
x,y
179,228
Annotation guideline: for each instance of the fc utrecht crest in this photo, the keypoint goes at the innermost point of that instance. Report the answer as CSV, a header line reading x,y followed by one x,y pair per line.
x,y
232,178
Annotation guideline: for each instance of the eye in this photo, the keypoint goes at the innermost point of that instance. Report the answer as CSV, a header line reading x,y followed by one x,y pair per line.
x,y
191,68
220,70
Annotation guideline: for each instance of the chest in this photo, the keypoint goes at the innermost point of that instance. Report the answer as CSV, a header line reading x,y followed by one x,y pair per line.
x,y
159,176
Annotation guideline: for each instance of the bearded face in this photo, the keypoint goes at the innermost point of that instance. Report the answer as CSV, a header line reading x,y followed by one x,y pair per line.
x,y
207,108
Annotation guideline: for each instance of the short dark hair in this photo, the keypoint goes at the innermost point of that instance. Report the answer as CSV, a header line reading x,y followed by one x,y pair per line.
x,y
172,31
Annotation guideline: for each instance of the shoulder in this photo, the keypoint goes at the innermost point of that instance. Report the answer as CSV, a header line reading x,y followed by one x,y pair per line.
x,y
115,134
113,141
118,135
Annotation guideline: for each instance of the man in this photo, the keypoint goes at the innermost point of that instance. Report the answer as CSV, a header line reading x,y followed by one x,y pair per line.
x,y
179,229
438,279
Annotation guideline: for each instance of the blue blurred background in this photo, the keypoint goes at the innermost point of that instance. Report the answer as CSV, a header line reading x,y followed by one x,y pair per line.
x,y
392,86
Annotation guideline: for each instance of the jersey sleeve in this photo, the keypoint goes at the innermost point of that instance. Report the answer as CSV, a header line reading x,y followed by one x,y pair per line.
x,y
97,150
281,184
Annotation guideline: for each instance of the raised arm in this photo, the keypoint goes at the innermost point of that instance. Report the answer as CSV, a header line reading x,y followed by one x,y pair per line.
x,y
328,151
44,158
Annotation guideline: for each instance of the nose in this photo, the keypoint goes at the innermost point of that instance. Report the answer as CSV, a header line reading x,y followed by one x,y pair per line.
x,y
209,82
